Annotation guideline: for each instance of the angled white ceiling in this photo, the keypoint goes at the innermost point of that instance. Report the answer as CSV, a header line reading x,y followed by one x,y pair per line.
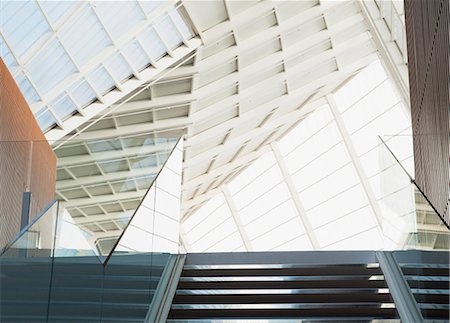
x,y
232,76
73,59
262,67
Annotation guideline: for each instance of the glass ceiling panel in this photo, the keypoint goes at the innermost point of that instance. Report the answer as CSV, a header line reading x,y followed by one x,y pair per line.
x,y
343,204
257,187
102,184
101,80
45,119
265,202
321,184
232,242
56,10
78,36
310,126
220,215
119,68
118,16
273,218
136,55
85,37
63,106
346,226
27,89
318,143
47,78
181,24
149,6
6,54
321,167
360,86
152,43
261,165
278,235
216,235
327,188
204,212
167,28
23,24
82,93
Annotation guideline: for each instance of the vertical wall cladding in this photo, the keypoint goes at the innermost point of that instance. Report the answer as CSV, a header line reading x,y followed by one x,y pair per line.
x,y
427,29
27,161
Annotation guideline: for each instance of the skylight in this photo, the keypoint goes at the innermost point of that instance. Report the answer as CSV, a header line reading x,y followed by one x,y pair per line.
x,y
76,52
319,186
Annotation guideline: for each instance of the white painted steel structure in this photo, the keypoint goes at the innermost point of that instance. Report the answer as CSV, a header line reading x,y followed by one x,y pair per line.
x,y
233,77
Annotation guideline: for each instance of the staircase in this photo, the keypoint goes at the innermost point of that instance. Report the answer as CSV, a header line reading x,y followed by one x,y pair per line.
x,y
306,286
228,287
78,289
289,289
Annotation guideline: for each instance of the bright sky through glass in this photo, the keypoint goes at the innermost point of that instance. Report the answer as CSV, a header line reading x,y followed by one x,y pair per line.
x,y
65,55
324,175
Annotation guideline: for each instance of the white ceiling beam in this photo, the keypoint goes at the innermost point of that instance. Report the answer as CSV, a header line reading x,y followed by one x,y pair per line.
x,y
395,62
141,128
295,95
140,151
292,98
107,234
80,202
189,204
114,96
154,103
342,128
92,219
295,197
87,68
227,168
102,179
236,217
435,228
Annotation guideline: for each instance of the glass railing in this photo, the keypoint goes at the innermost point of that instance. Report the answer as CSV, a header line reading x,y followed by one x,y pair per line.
x,y
409,220
99,256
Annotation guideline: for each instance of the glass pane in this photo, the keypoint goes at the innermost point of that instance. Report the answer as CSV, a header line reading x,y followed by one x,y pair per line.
x,y
101,80
119,16
157,218
169,32
136,55
118,67
85,37
105,183
22,24
63,106
152,43
6,54
38,239
82,93
55,10
47,78
27,89
26,271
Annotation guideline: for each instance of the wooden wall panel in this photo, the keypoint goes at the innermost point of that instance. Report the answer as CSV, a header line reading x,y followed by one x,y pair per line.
x,y
427,29
27,161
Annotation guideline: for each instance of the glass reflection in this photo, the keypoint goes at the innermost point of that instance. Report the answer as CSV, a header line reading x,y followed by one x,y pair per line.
x,y
106,183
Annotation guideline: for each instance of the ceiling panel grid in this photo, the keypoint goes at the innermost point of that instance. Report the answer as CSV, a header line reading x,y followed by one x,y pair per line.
x,y
261,69
76,60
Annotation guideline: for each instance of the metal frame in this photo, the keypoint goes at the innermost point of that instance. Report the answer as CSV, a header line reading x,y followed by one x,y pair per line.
x,y
236,218
165,291
294,196
405,302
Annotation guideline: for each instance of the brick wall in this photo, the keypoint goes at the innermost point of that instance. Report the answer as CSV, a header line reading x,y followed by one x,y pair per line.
x,y
27,162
